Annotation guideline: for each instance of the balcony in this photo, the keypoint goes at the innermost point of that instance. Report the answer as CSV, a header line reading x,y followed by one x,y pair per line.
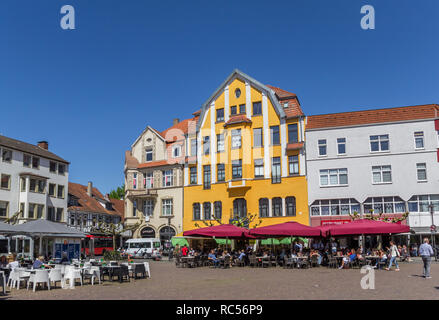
x,y
141,193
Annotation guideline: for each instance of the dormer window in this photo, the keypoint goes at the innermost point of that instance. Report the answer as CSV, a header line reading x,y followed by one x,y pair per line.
x,y
176,151
148,154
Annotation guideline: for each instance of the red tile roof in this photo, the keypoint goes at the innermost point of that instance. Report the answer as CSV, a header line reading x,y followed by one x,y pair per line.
x,y
175,133
119,206
237,119
293,110
294,146
429,111
152,164
280,93
130,161
87,203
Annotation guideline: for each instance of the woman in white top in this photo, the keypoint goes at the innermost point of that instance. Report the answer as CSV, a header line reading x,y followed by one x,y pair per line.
x,y
13,263
394,253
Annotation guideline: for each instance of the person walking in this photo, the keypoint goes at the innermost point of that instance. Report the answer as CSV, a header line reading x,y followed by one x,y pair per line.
x,y
394,253
426,251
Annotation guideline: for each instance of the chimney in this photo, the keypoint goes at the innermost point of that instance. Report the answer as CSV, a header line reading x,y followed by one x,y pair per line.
x,y
175,121
43,145
89,188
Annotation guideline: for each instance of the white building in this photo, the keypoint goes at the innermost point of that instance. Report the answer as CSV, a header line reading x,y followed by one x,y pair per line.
x,y
384,160
34,181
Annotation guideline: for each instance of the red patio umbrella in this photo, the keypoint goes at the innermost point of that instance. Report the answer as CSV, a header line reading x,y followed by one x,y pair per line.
x,y
290,229
221,231
363,226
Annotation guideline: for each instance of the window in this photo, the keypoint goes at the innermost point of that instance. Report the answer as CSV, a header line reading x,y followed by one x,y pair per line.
x,y
4,209
22,184
236,139
421,171
276,204
59,214
259,168
176,151
334,207
167,207
207,210
221,172
37,185
275,170
206,145
236,169
52,188
322,147
53,166
220,142
135,180
384,205
421,203
5,181
193,175
218,207
148,154
134,208
196,211
61,168
148,208
419,140
7,155
292,133
27,159
148,180
51,213
61,191
258,140
193,147
263,208
36,211
168,178
207,177
293,164
33,185
379,143
341,146
35,162
233,110
382,174
257,108
237,93
220,115
275,139
242,108
239,208
290,203
334,177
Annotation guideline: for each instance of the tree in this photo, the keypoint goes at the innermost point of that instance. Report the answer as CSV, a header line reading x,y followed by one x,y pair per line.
x,y
113,229
14,218
119,193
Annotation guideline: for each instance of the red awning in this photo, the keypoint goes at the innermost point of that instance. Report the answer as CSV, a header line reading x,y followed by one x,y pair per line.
x,y
290,228
220,231
364,226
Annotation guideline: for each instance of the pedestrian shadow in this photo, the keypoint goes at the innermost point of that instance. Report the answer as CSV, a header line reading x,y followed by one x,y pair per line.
x,y
417,275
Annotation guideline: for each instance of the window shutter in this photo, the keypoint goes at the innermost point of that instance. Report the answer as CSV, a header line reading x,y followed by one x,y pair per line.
x,y
436,124
437,155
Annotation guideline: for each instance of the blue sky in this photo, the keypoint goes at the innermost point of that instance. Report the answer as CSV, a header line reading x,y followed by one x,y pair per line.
x,y
128,64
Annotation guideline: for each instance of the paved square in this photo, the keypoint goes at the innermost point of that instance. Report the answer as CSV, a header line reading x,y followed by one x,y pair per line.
x,y
169,282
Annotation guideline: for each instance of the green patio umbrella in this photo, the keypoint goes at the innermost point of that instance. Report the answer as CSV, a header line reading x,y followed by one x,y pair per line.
x,y
270,241
180,241
222,241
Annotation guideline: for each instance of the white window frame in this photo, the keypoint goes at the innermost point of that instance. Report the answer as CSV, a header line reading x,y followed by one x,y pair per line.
x,y
338,172
382,169
320,143
167,204
149,151
236,139
148,207
380,139
419,135
418,169
178,149
341,143
220,146
169,174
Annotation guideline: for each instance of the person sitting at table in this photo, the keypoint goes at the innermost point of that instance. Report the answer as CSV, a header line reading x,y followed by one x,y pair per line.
x,y
241,255
382,258
13,263
184,251
317,254
64,258
38,262
360,256
3,261
404,254
213,258
352,256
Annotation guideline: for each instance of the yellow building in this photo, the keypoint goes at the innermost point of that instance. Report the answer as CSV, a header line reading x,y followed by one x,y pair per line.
x,y
247,157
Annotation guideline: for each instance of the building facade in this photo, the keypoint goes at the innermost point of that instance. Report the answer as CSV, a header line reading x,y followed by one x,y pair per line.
x,y
154,181
246,157
384,160
34,182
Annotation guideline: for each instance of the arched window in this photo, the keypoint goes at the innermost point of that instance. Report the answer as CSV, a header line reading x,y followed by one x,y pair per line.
x,y
290,203
277,207
263,207
207,211
218,206
166,233
239,208
196,211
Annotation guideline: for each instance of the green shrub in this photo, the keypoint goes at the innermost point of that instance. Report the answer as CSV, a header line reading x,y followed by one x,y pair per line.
x,y
112,255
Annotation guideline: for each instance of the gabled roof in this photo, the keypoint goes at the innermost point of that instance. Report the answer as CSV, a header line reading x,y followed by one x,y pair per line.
x,y
237,74
356,118
185,126
87,203
29,148
237,119
143,132
130,161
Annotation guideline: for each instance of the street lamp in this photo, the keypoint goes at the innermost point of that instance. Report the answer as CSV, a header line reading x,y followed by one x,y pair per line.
x,y
169,239
433,229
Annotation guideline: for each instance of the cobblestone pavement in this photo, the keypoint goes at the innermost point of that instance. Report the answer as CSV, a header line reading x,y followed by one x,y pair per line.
x,y
169,282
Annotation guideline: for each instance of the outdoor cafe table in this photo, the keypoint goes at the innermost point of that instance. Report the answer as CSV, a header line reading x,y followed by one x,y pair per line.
x,y
372,258
110,270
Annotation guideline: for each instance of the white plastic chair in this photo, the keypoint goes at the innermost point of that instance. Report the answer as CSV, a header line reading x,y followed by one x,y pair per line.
x,y
71,274
40,276
92,273
16,276
147,269
55,275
